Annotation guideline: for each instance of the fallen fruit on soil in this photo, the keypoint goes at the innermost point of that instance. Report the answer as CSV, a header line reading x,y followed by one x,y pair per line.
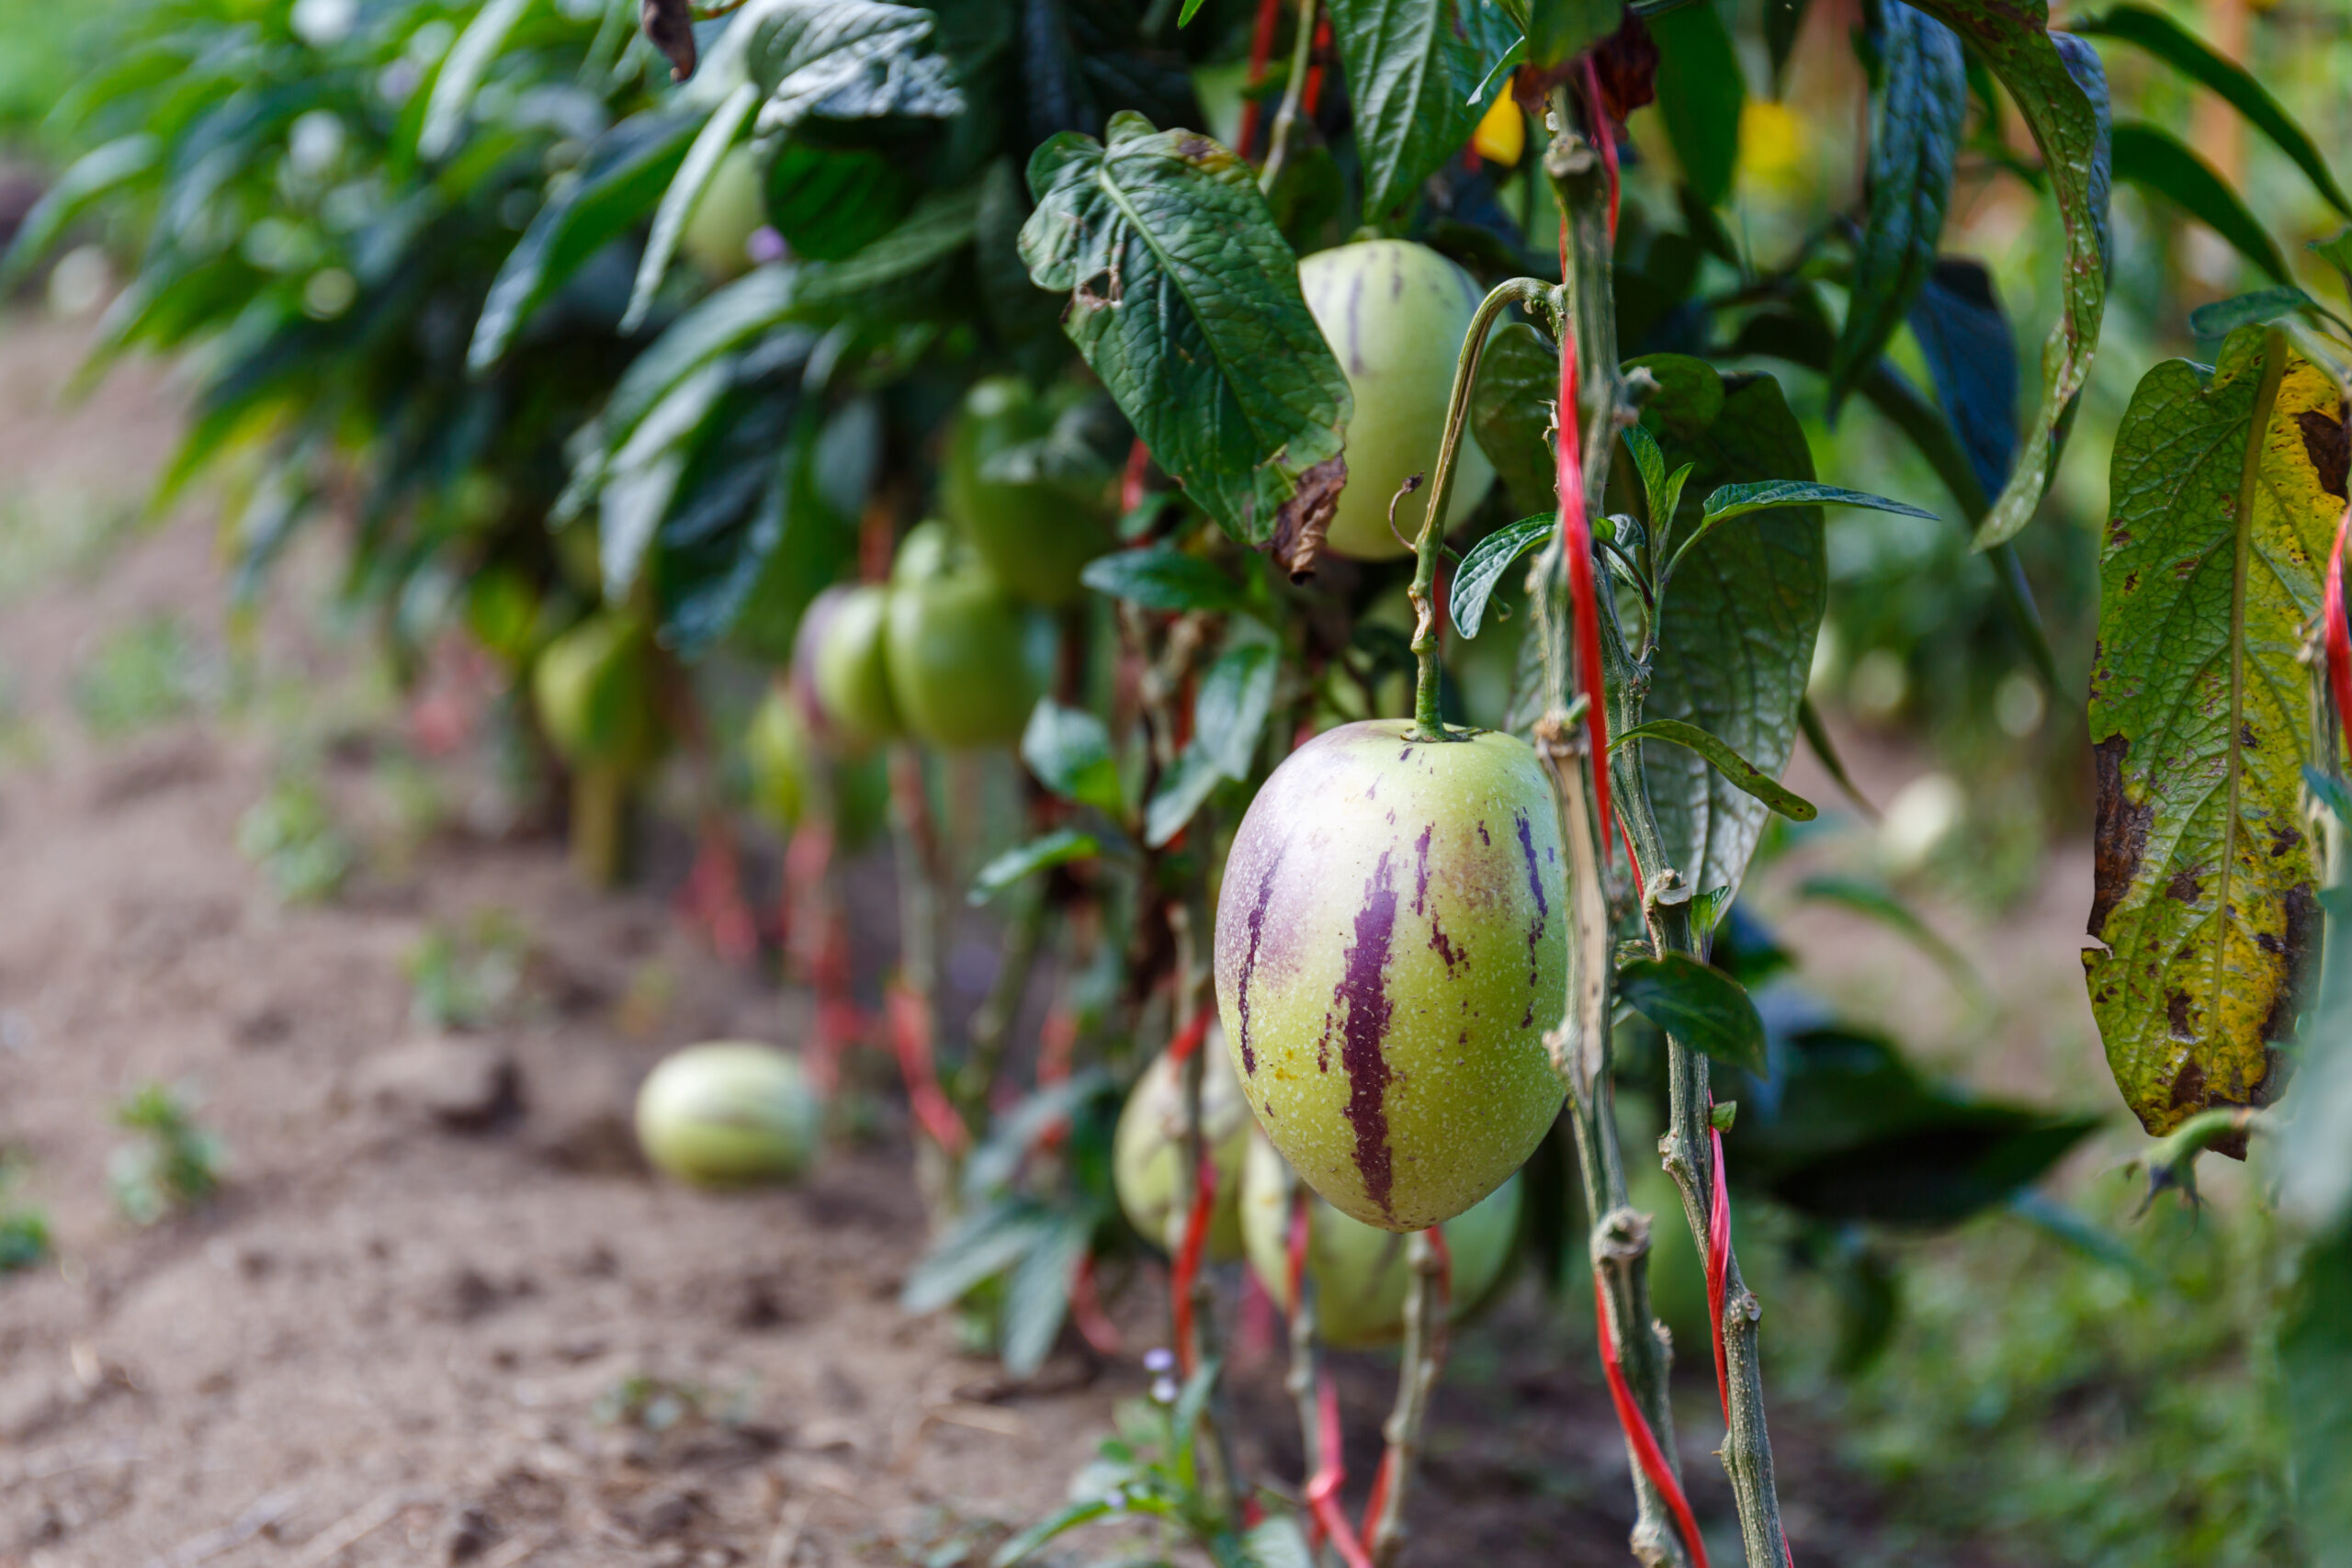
x,y
1360,1272
1034,536
1395,314
1147,1164
728,1113
1389,953
967,660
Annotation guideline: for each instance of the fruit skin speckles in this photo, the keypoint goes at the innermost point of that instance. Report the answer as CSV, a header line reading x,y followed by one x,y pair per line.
x,y
1385,966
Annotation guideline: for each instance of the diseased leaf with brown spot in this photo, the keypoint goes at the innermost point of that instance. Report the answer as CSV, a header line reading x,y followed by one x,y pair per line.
x,y
2206,882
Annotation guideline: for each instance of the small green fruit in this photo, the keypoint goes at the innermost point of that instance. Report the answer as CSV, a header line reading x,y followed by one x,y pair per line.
x,y
718,236
1034,538
1390,952
967,660
594,687
1147,1166
1396,315
1360,1272
843,648
776,750
730,1113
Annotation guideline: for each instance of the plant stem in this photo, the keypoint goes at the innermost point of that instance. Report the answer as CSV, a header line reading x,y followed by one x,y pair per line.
x,y
1302,53
1586,327
917,846
1426,723
1423,1362
991,1030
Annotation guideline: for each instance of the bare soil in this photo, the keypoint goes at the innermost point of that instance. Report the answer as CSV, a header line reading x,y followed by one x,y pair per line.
x,y
394,1340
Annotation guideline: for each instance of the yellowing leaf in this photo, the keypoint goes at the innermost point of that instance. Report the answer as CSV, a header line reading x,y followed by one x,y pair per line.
x,y
2227,485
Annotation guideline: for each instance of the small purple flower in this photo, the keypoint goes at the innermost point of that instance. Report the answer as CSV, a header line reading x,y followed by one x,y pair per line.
x,y
1159,1360
765,245
1164,1390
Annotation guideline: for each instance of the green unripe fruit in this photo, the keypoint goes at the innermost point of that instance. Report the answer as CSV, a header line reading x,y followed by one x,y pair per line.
x,y
1034,538
1148,1163
1396,315
849,665
718,236
776,750
1391,949
1360,1272
967,660
593,688
730,1113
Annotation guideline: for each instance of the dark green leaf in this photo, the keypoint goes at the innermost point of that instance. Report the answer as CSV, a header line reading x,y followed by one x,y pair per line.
x,y
1972,362
984,1243
2190,55
1160,577
2058,82
2257,308
754,304
846,60
2199,720
1705,1008
1727,762
1182,793
1728,501
2315,1363
1412,67
625,173
1482,569
1036,1296
941,223
461,75
1784,19
1816,735
1184,299
2160,165
1056,848
1700,91
1735,634
1914,135
1069,751
1518,379
829,202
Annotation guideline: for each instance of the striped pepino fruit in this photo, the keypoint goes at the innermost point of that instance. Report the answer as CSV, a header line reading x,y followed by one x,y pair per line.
x,y
1390,952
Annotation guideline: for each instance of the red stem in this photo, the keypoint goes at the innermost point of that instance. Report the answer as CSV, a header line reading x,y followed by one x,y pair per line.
x,y
1188,1260
1718,1259
1094,1325
911,1033
1320,52
1323,1491
1646,1452
1262,48
2339,635
1576,543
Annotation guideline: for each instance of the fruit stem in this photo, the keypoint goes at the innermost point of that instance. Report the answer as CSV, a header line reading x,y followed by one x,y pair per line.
x,y
1423,1361
1301,51
1427,724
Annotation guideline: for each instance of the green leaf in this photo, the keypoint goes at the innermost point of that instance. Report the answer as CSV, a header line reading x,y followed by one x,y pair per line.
x,y
1184,300
941,223
1277,1541
754,304
1727,501
1057,848
1879,902
2337,252
1700,91
845,59
1069,751
1510,418
2256,307
1735,632
626,171
2315,1364
1182,791
1161,577
702,161
1412,67
2058,82
1482,569
2187,53
2206,881
1816,735
1972,364
1727,762
1060,1523
1230,709
984,1243
1914,136
461,75
2157,162
1036,1296
1703,1007
92,176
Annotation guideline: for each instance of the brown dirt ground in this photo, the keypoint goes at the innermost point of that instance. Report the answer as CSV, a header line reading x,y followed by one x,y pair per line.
x,y
388,1342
